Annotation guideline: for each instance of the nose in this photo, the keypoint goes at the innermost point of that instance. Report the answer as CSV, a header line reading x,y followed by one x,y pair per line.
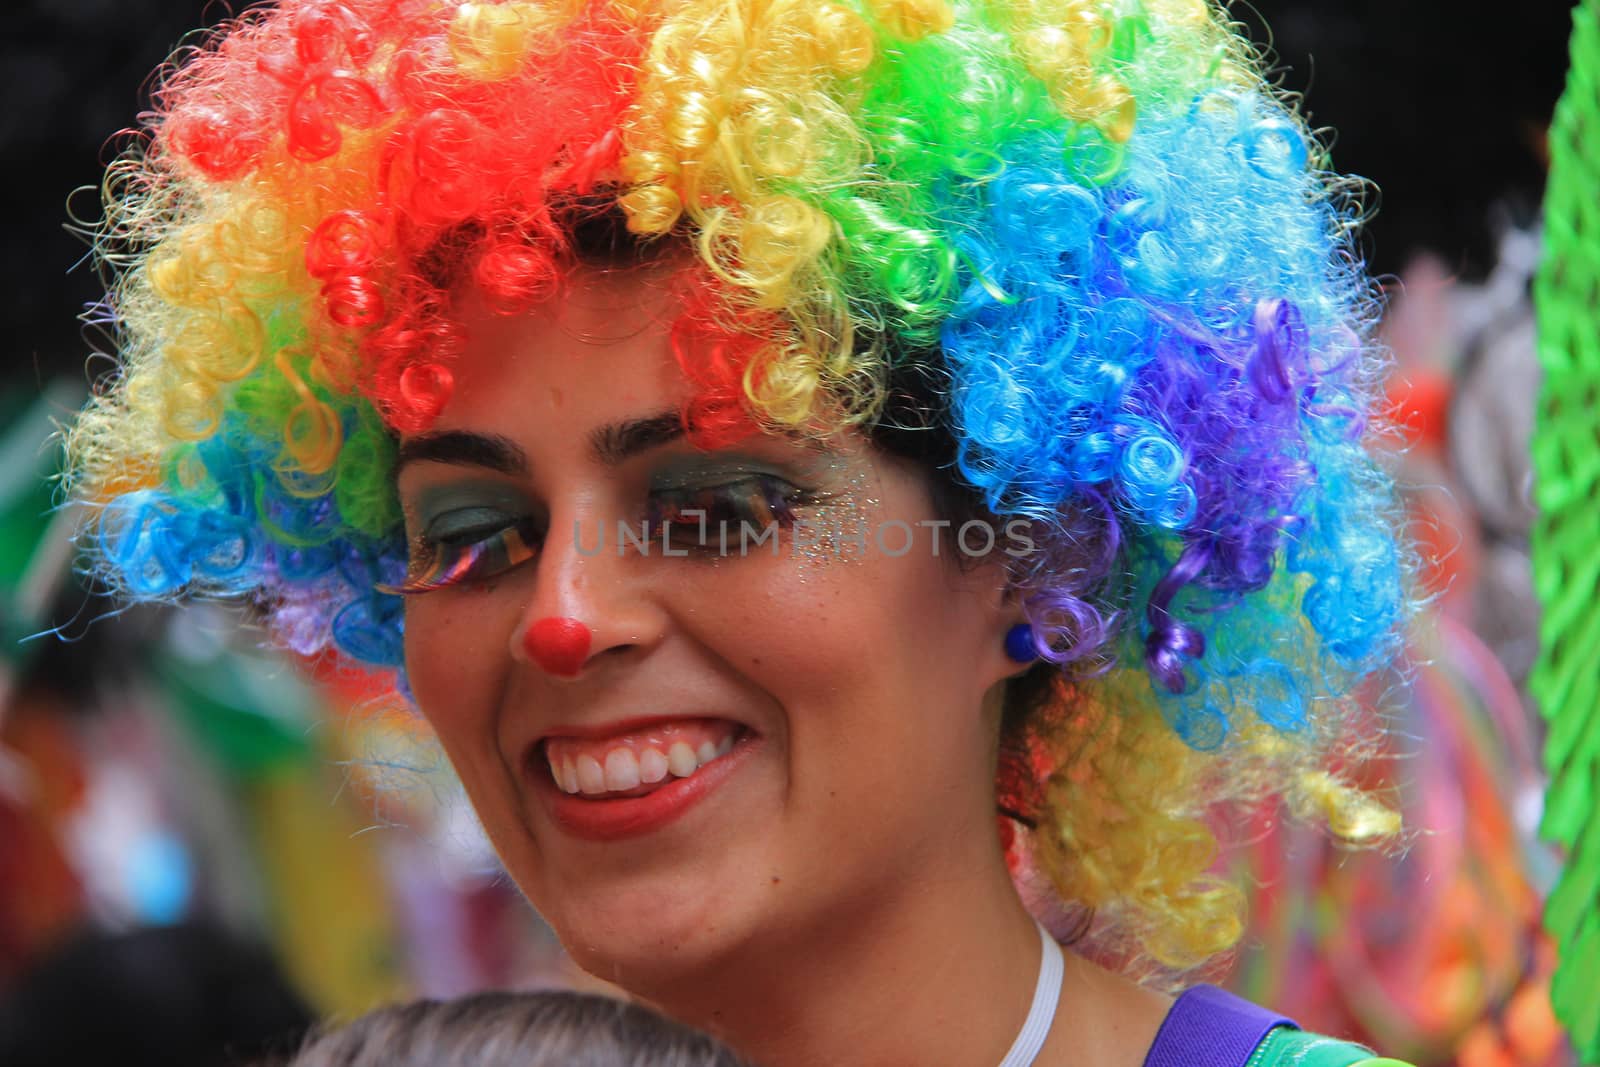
x,y
588,603
559,645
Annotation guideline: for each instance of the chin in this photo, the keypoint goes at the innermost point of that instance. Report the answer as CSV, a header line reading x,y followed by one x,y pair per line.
x,y
646,937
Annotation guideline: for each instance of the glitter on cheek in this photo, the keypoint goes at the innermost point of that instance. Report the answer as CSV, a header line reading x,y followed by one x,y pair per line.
x,y
842,529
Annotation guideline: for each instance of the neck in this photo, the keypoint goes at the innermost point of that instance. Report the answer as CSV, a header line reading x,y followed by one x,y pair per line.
x,y
935,970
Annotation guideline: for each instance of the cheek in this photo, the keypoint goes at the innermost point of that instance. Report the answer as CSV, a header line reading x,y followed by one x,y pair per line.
x,y
455,649
793,627
865,654
456,663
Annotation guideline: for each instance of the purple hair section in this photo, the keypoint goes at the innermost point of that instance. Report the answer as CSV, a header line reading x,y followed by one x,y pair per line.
x,y
1171,644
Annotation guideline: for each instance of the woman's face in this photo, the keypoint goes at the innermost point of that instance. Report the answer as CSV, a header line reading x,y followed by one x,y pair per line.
x,y
757,745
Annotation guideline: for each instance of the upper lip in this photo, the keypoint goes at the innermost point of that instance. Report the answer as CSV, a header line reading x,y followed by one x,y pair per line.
x,y
617,727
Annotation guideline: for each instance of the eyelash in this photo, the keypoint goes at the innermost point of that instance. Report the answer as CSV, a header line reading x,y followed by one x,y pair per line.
x,y
439,563
443,562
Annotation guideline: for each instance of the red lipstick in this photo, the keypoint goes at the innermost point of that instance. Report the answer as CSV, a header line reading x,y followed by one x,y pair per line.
x,y
618,818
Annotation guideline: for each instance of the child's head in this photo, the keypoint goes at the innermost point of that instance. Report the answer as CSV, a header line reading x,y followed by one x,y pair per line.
x,y
514,1030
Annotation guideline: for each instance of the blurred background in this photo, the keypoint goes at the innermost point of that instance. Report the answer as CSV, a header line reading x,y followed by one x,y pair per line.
x,y
227,844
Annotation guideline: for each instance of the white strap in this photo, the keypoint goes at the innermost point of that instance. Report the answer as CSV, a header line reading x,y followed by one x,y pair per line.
x,y
1046,995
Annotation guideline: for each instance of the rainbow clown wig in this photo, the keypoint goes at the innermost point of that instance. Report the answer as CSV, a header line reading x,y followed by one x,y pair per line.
x,y
1086,229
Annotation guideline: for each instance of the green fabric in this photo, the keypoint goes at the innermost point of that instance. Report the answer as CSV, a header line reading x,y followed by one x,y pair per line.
x,y
35,536
1285,1047
252,715
1566,538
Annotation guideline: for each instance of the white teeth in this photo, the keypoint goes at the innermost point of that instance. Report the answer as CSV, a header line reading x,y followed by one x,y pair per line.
x,y
681,759
564,773
591,776
653,766
622,769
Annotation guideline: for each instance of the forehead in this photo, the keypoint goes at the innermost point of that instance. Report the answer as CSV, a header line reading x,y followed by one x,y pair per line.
x,y
596,351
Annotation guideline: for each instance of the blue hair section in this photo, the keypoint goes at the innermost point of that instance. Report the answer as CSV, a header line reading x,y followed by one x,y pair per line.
x,y
227,525
1178,351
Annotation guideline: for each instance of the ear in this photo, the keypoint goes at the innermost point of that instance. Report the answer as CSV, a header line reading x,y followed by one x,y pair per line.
x,y
1002,613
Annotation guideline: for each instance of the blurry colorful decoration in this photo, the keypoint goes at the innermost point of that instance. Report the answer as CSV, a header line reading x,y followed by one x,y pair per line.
x,y
41,895
1566,537
251,714
1419,403
334,922
272,734
41,777
1433,954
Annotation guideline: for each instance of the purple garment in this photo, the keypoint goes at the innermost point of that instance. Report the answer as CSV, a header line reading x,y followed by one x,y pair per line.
x,y
1209,1027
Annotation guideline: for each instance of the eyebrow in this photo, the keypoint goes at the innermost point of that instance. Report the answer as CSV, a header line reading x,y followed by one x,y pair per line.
x,y
612,444
464,448
621,441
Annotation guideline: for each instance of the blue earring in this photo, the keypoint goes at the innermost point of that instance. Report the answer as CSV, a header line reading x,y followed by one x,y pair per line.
x,y
1019,644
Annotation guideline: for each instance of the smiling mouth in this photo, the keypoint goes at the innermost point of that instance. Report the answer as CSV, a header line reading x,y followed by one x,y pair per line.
x,y
639,763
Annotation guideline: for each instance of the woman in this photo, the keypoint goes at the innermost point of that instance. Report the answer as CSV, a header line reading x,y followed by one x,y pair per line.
x,y
767,438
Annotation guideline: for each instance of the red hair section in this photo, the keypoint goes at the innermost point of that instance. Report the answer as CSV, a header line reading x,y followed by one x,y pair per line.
x,y
416,172
718,353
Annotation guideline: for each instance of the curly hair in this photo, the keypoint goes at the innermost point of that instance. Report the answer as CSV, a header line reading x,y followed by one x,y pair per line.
x,y
1107,263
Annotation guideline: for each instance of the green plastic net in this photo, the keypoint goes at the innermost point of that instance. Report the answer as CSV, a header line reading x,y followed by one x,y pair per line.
x,y
1566,538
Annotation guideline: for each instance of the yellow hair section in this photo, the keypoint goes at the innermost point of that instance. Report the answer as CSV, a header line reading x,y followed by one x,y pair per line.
x,y
1350,814
223,262
1312,792
1059,42
739,99
492,41
912,20
1124,828
313,435
1083,51
1122,833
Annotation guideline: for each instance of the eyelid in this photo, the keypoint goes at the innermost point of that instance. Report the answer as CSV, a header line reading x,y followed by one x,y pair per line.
x,y
494,520
785,487
726,483
434,501
716,475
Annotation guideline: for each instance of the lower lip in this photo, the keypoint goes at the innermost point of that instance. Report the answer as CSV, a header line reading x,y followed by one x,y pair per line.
x,y
617,818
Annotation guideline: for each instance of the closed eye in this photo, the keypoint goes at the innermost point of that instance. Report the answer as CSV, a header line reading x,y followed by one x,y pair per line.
x,y
757,502
472,555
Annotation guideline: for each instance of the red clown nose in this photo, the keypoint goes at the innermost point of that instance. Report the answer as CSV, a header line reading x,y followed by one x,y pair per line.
x,y
560,646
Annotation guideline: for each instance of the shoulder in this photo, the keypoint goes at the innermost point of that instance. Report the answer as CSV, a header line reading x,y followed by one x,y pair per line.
x,y
1286,1047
